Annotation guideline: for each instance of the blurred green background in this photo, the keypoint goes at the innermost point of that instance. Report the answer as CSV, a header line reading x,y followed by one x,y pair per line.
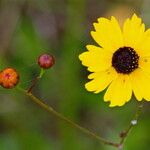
x,y
62,28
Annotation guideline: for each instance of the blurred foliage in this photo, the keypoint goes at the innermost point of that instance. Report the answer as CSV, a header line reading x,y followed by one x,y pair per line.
x,y
62,28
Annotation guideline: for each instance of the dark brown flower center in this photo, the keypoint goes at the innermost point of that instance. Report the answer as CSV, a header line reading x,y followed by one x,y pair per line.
x,y
125,60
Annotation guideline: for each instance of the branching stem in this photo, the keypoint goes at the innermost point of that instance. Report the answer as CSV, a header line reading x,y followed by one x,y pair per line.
x,y
61,117
123,135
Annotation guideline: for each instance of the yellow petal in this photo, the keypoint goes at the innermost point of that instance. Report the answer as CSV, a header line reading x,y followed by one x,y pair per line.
x,y
133,32
137,88
147,32
141,84
96,59
100,80
143,48
108,34
119,92
144,63
145,82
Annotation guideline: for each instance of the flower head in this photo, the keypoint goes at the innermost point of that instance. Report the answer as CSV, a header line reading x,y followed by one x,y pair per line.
x,y
121,62
9,78
46,61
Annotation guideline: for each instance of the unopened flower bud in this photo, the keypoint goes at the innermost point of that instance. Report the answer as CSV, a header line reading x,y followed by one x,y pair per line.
x,y
46,61
9,78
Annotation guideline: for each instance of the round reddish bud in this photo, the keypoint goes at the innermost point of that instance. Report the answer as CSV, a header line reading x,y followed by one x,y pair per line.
x,y
9,78
46,61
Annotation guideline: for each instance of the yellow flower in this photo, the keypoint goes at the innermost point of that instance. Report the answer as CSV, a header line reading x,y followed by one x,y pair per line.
x,y
122,63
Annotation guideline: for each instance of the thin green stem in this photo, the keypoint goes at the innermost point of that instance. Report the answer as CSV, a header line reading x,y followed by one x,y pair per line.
x,y
41,73
60,116
133,122
34,81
